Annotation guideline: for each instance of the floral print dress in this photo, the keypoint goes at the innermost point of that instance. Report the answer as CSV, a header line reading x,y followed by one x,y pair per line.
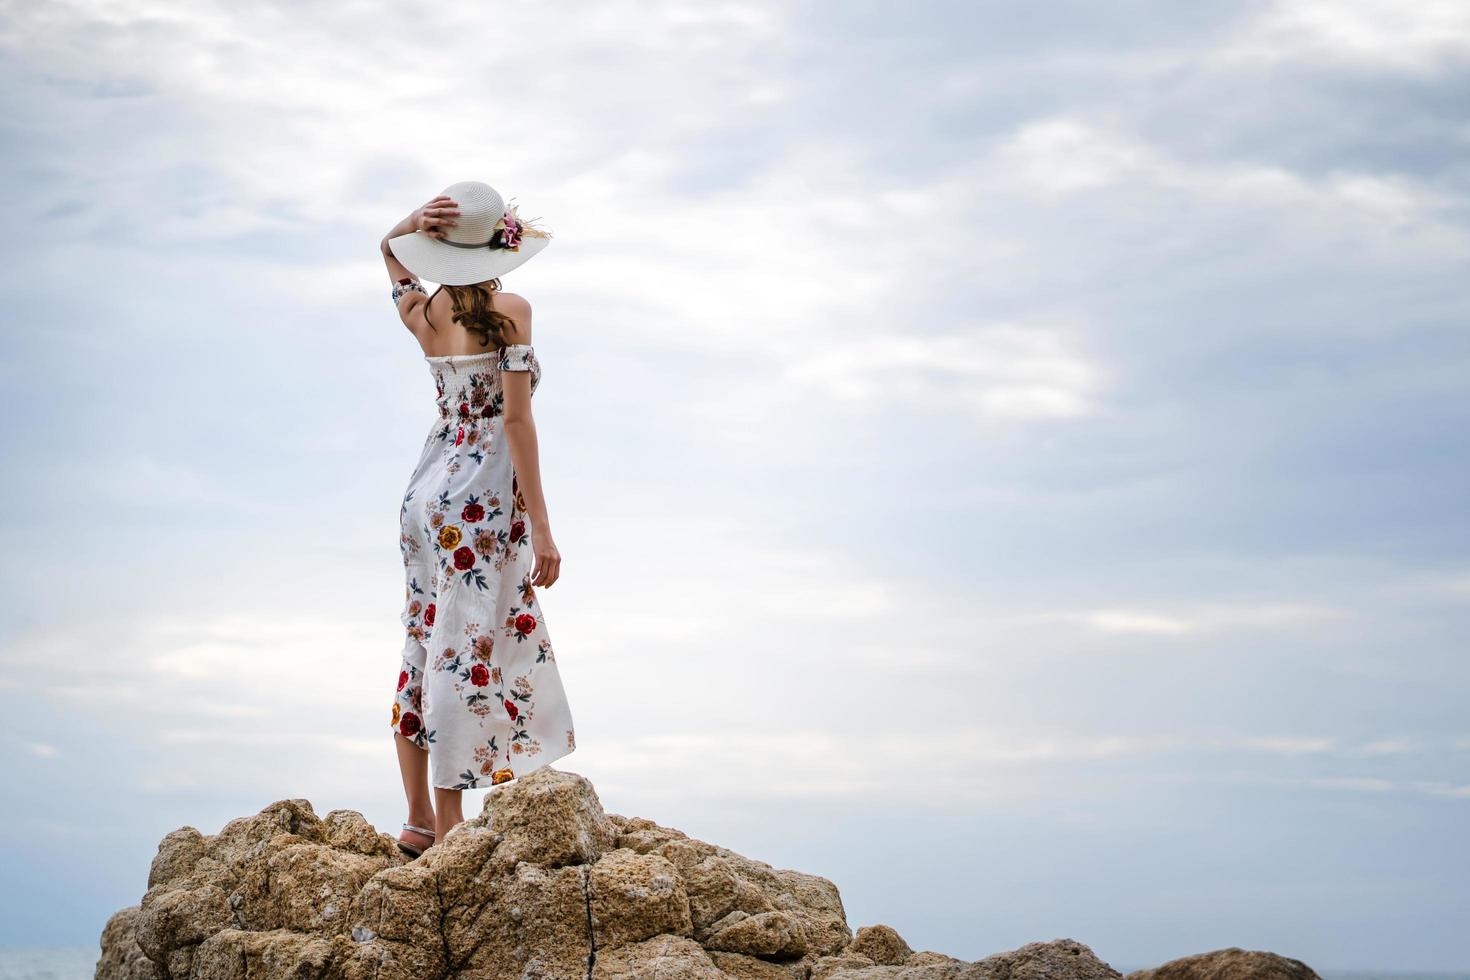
x,y
478,686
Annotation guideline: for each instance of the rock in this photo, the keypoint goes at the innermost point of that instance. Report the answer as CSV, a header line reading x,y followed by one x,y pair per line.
x,y
1229,964
240,954
775,935
541,885
663,957
633,897
550,821
122,959
1060,959
881,944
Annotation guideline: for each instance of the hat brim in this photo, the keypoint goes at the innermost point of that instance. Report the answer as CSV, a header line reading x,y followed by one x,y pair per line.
x,y
434,260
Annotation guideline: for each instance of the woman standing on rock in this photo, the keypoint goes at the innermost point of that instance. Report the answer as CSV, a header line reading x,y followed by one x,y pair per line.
x,y
479,699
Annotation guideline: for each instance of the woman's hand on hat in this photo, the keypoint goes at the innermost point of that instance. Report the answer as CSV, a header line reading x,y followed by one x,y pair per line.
x,y
434,217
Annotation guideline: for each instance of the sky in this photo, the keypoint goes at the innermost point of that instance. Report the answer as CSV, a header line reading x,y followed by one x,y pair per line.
x,y
1008,458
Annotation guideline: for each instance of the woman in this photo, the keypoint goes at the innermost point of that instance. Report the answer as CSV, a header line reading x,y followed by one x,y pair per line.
x,y
479,698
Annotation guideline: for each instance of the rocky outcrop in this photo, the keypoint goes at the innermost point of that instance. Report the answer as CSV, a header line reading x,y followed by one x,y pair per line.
x,y
1229,964
541,884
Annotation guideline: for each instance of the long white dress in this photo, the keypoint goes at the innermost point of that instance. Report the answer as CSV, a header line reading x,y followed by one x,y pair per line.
x,y
478,686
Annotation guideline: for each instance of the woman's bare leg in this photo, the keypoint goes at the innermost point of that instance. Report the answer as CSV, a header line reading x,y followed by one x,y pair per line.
x,y
413,763
448,803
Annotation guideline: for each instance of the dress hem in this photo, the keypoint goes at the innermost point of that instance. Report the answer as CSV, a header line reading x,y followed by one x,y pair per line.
x,y
524,772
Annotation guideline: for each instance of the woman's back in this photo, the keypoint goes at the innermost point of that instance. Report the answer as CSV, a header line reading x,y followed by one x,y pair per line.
x,y
440,335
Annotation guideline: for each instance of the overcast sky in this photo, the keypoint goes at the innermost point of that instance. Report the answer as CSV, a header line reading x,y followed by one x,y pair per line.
x,y
1008,458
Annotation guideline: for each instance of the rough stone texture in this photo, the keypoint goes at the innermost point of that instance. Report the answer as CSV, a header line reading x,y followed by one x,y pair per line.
x,y
121,957
881,944
634,897
541,885
1060,959
1229,964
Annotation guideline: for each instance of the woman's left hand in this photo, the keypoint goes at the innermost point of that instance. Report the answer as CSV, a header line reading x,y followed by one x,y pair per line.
x,y
437,215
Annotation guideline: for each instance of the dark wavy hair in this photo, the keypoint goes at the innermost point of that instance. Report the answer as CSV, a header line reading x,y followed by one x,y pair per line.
x,y
472,311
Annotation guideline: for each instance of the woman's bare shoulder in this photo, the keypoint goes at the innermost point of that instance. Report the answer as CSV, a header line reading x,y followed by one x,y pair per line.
x,y
512,303
518,308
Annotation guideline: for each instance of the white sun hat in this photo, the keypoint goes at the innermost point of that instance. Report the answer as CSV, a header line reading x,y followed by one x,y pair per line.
x,y
489,240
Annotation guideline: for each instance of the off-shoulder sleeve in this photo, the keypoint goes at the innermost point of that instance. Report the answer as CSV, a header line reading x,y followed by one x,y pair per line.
x,y
518,357
407,285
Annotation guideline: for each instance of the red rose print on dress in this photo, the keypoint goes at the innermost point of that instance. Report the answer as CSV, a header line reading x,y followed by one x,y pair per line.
x,y
517,529
511,709
429,615
479,675
473,512
525,623
459,436
464,558
402,679
409,725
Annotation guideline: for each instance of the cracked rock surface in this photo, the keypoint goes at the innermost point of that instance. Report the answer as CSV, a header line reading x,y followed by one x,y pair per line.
x,y
541,884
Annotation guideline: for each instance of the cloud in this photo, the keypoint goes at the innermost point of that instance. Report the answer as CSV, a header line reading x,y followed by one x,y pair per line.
x,y
1198,618
1421,39
979,764
1458,585
1451,790
1381,213
1362,784
1128,621
1286,745
1001,370
1374,785
1391,746
1065,155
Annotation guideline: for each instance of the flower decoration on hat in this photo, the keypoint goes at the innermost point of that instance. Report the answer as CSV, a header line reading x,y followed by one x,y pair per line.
x,y
510,229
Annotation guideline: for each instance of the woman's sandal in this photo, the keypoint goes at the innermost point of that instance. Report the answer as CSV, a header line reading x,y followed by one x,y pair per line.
x,y
413,850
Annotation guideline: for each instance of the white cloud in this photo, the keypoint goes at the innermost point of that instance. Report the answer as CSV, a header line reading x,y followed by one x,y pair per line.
x,y
1391,218
1457,585
1451,790
1361,784
1128,621
1286,745
294,739
1357,784
1061,155
1390,746
1193,618
1001,370
1417,38
977,764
